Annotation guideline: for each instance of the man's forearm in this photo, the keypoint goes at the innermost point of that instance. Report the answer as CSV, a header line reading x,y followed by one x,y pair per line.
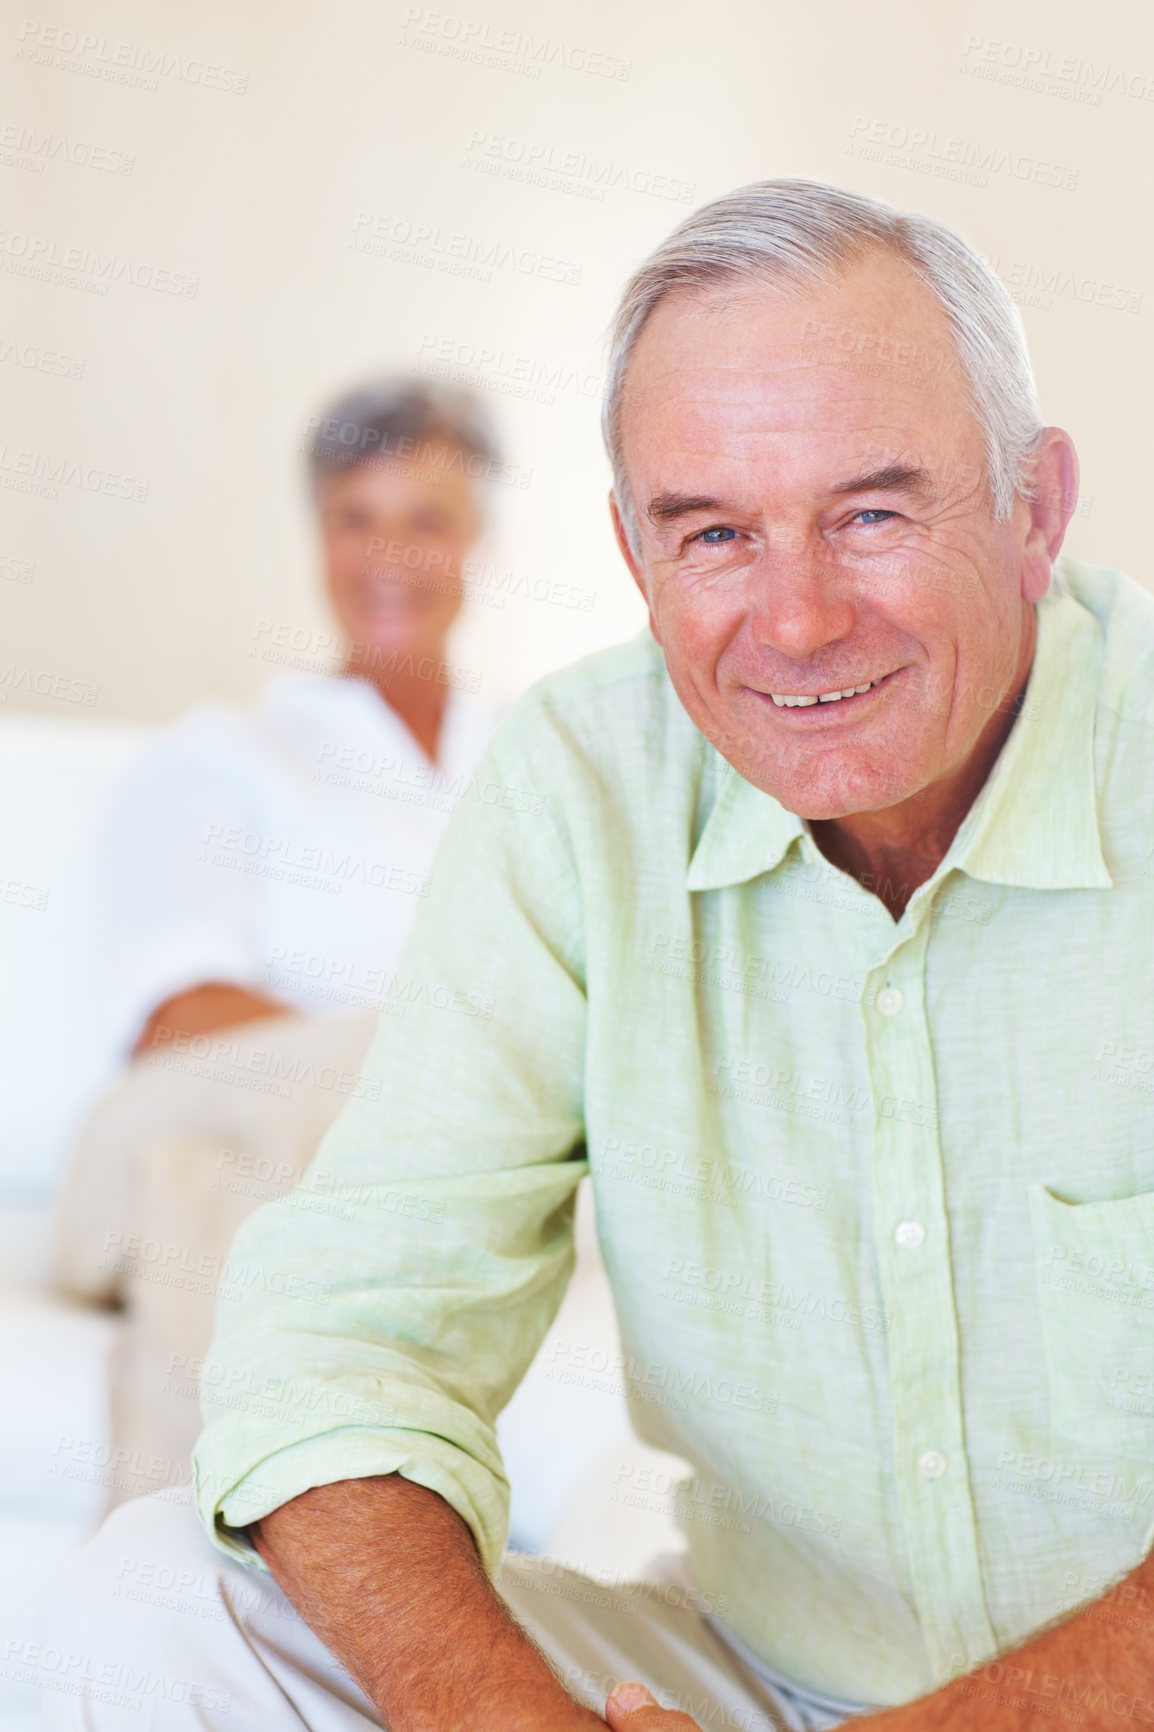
x,y
1095,1669
388,1576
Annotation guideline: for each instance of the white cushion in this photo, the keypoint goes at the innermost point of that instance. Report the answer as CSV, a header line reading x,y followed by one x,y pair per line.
x,y
32,1548
54,1057
54,1451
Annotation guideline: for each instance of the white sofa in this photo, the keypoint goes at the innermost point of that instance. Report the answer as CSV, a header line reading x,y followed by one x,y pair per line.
x,y
565,1435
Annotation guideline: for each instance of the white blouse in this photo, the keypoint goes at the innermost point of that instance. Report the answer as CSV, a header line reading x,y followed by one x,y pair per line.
x,y
285,850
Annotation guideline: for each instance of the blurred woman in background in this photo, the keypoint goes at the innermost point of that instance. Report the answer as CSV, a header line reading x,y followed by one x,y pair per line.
x,y
261,872
274,860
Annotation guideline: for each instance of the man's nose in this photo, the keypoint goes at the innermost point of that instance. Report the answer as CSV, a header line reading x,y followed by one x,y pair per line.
x,y
799,605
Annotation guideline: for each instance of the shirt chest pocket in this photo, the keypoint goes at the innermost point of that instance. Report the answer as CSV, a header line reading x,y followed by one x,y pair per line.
x,y
1095,1272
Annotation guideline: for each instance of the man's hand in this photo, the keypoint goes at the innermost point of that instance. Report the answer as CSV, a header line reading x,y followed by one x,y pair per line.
x,y
1093,1669
632,1709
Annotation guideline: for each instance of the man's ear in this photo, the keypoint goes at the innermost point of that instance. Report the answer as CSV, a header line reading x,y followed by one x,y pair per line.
x,y
632,562
1054,479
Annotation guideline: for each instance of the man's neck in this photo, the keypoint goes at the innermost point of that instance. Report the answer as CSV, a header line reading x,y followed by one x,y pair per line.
x,y
893,851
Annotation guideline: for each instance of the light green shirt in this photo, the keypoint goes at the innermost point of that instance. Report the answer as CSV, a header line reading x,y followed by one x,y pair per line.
x,y
876,1200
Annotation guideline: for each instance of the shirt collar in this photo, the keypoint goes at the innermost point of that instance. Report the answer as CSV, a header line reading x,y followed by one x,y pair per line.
x,y
1035,821
747,833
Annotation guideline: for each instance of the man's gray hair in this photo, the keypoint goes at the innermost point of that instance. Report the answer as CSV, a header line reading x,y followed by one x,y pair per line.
x,y
803,232
396,417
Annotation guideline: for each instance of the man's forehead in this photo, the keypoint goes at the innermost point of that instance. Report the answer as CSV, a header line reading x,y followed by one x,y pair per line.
x,y
755,380
827,440
785,381
875,332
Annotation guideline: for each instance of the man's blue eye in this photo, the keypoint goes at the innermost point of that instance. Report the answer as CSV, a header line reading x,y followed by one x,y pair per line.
x,y
876,514
708,534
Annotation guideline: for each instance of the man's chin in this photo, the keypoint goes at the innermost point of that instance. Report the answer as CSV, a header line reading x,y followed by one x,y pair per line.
x,y
821,799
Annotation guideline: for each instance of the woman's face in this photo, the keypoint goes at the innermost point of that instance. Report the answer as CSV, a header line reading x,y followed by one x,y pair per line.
x,y
395,533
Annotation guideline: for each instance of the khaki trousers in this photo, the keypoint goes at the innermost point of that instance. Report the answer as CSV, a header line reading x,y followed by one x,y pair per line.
x,y
177,1154
149,1628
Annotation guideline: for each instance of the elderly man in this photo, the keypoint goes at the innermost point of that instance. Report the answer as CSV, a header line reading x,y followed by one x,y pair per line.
x,y
828,960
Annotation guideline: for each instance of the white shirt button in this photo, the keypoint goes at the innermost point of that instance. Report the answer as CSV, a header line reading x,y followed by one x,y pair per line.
x,y
933,1464
890,1000
910,1234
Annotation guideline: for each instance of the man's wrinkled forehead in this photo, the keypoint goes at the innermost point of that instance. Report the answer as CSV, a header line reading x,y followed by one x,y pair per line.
x,y
873,348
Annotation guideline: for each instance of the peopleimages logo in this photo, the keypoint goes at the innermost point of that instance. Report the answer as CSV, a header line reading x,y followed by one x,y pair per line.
x,y
927,151
510,50
83,267
121,62
1029,66
548,165
41,472
1039,285
24,147
37,360
475,256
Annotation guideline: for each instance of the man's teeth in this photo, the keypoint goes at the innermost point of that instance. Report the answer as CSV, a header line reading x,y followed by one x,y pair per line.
x,y
781,700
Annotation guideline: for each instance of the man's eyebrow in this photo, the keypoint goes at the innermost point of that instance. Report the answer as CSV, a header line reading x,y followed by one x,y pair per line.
x,y
664,507
893,479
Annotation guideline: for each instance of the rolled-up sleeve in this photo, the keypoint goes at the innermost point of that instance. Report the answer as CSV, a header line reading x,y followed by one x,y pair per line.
x,y
377,1319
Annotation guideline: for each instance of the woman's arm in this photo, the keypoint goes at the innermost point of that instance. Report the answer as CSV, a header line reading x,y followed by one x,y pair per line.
x,y
201,1008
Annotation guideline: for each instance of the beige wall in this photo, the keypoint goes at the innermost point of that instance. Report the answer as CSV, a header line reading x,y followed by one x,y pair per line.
x,y
280,134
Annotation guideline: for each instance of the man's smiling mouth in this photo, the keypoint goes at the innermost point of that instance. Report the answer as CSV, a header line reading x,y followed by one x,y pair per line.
x,y
828,700
784,700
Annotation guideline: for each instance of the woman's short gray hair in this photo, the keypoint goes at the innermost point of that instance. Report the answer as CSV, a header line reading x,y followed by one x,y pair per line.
x,y
799,232
394,417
